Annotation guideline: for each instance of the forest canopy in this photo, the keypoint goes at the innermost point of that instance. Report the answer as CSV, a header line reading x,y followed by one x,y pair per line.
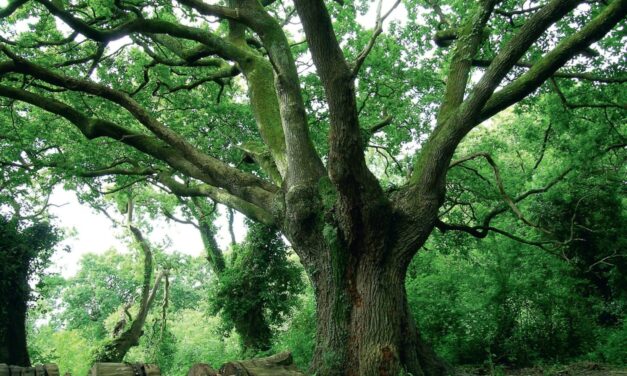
x,y
449,175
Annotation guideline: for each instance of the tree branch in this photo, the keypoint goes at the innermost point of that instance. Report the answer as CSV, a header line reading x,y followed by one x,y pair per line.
x,y
378,29
94,128
468,43
555,59
513,51
561,74
499,182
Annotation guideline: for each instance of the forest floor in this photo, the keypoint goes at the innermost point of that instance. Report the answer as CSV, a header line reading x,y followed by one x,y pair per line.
x,y
575,369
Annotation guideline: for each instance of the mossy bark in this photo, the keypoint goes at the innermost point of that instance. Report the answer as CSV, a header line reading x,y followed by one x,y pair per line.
x,y
364,326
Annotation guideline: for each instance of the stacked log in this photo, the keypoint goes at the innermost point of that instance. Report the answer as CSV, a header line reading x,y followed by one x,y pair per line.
x,y
39,370
124,369
281,364
202,369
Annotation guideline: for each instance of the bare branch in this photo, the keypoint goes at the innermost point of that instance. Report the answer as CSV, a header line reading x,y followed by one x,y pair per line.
x,y
378,29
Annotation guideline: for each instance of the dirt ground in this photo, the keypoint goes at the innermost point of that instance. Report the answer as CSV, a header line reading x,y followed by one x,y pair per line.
x,y
576,369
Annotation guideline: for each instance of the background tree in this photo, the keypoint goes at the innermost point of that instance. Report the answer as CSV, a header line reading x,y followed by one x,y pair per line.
x,y
258,290
355,233
24,254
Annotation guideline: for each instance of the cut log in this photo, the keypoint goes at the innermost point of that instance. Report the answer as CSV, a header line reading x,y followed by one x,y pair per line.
x,y
124,369
51,369
202,369
40,370
151,370
277,365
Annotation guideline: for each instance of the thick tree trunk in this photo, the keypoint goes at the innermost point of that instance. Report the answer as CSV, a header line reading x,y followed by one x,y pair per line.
x,y
13,348
364,323
13,305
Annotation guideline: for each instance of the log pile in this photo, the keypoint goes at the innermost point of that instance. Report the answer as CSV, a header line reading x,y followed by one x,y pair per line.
x,y
202,369
280,364
124,369
38,370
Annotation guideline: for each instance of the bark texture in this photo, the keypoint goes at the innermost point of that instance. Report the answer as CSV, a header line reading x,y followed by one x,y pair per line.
x,y
354,239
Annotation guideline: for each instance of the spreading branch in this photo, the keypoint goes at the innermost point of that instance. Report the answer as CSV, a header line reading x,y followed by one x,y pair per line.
x,y
554,60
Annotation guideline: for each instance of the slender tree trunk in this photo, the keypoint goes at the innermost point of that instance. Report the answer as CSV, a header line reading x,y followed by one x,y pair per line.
x,y
254,331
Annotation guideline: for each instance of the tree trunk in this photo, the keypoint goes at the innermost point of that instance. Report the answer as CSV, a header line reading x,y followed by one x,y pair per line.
x,y
13,304
254,331
364,325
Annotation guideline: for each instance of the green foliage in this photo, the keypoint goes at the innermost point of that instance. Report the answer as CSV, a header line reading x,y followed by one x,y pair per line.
x,y
561,295
300,333
496,301
192,337
69,349
258,289
502,303
613,345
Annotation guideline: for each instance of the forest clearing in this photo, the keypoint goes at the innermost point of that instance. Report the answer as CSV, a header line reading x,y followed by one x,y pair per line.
x,y
401,187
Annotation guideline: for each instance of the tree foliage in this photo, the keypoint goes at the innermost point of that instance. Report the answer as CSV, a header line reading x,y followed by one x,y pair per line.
x,y
347,138
258,290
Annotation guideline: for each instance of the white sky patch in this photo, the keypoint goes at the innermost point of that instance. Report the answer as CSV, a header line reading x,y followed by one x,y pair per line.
x,y
369,19
93,232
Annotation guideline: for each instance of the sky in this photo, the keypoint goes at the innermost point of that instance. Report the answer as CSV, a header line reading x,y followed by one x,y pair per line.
x,y
92,232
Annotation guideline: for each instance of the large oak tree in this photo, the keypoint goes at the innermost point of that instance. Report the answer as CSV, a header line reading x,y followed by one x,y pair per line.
x,y
312,179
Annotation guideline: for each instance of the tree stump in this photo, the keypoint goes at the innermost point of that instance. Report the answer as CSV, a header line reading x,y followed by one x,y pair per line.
x,y
280,364
202,369
124,369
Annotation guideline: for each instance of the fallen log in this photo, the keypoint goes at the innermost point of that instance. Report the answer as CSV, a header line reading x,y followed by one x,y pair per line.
x,y
39,370
124,369
281,364
202,369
